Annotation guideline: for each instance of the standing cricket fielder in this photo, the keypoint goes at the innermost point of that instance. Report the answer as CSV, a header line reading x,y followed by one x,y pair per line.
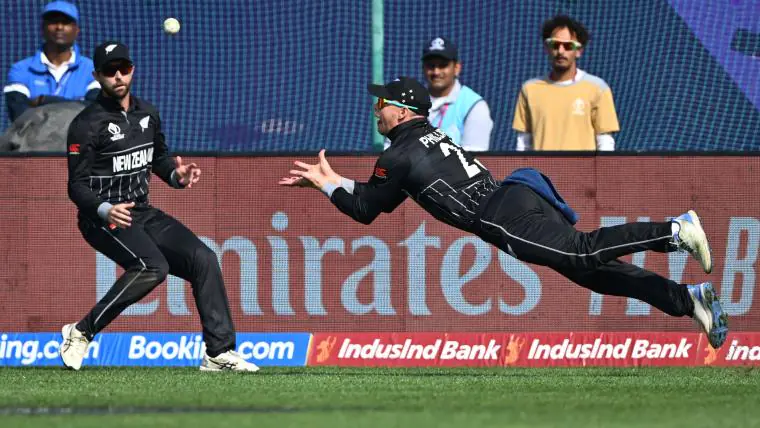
x,y
524,216
114,146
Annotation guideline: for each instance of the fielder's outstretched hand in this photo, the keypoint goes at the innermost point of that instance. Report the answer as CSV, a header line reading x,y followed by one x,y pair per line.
x,y
312,175
187,175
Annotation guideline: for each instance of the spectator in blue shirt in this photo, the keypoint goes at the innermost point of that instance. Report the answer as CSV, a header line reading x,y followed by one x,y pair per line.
x,y
57,72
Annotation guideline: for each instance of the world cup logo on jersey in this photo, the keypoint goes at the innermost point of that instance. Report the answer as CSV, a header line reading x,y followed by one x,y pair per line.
x,y
579,107
115,132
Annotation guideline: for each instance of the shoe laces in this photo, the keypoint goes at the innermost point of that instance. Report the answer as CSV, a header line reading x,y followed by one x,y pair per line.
x,y
680,243
78,342
696,292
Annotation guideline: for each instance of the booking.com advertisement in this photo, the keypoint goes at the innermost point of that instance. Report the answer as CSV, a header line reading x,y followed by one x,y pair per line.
x,y
152,349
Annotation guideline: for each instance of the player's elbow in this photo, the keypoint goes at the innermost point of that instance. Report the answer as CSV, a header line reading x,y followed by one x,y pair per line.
x,y
362,211
79,195
72,192
367,217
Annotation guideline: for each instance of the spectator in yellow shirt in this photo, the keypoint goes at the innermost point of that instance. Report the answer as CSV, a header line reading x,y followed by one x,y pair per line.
x,y
569,109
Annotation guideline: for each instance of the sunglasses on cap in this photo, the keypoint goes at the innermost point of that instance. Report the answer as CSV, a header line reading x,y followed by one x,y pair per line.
x,y
110,69
382,103
569,45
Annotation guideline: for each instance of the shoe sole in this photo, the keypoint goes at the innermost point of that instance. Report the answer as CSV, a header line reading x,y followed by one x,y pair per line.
x,y
65,332
719,330
211,369
703,247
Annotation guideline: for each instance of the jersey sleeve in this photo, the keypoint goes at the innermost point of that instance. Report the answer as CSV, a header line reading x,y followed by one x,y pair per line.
x,y
80,145
603,115
16,91
382,193
521,121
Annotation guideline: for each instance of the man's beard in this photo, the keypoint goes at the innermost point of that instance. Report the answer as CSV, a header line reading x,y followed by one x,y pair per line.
x,y
561,68
113,94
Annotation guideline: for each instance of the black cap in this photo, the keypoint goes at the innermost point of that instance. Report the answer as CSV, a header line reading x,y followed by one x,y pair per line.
x,y
442,47
406,91
110,51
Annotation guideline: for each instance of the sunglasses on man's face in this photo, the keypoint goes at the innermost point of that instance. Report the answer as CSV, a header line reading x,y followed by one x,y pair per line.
x,y
109,70
569,45
382,103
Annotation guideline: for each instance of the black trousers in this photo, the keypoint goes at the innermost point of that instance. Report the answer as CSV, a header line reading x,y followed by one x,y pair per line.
x,y
155,245
522,223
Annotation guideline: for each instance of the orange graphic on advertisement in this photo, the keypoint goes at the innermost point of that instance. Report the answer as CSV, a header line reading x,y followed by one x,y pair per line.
x,y
712,355
325,348
513,349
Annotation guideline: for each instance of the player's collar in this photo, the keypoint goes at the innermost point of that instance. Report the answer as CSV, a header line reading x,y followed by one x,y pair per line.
x,y
396,132
112,104
577,78
46,62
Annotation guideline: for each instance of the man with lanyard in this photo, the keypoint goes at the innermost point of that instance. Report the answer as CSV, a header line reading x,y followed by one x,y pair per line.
x,y
58,71
458,110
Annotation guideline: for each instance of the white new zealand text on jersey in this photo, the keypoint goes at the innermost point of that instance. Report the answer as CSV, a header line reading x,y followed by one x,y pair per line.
x,y
130,161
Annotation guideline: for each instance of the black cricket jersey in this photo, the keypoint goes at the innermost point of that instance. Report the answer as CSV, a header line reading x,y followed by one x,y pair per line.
x,y
422,163
112,152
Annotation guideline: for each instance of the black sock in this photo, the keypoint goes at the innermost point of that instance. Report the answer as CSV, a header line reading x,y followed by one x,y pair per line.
x,y
79,326
215,354
688,303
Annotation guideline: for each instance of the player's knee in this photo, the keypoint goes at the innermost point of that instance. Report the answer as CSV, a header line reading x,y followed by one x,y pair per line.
x,y
586,245
159,269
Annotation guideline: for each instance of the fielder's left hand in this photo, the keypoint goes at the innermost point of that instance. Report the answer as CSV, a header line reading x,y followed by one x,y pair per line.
x,y
187,175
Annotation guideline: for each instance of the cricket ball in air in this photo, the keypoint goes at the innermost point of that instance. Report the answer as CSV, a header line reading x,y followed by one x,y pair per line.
x,y
171,26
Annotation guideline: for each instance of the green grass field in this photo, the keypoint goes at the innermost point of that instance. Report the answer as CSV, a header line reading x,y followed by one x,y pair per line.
x,y
332,397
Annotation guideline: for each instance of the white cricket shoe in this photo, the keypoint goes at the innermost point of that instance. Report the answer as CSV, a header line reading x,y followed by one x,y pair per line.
x,y
225,361
74,347
709,313
691,237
